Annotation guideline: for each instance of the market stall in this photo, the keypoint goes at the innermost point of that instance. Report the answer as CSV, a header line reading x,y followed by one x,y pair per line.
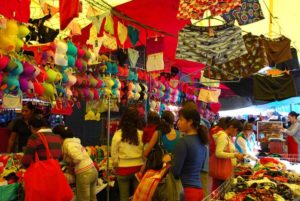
x,y
267,179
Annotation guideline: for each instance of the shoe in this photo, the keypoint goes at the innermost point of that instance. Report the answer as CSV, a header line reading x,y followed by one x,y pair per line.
x,y
138,176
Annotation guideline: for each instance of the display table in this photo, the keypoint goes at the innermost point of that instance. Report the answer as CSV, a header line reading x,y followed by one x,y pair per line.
x,y
269,179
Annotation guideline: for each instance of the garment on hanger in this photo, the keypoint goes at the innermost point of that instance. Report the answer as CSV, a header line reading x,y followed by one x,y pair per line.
x,y
122,33
155,62
273,88
133,56
67,12
16,9
290,64
248,12
196,43
278,49
209,82
209,95
194,9
245,65
154,45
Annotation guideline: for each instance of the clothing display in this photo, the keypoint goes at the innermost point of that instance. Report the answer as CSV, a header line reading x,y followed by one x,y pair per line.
x,y
273,88
291,64
245,65
196,44
248,12
194,9
278,49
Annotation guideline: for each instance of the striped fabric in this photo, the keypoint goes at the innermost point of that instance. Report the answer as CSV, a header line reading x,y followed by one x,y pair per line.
x,y
219,44
34,144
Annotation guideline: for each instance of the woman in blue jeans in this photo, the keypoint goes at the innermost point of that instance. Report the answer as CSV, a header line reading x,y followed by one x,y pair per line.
x,y
127,152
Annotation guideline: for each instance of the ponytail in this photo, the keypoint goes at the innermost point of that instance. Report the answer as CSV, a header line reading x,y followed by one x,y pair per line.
x,y
202,132
164,127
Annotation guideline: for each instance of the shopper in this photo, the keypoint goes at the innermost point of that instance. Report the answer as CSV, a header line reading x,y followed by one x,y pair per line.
x,y
153,121
245,142
39,125
220,126
20,131
190,153
169,136
293,131
127,152
78,159
223,140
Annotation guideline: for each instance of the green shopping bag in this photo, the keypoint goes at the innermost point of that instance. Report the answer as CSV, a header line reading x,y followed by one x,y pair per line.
x,y
9,192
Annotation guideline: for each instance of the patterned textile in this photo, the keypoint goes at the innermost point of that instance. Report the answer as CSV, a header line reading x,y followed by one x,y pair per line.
x,y
278,49
245,65
199,45
194,9
148,184
249,12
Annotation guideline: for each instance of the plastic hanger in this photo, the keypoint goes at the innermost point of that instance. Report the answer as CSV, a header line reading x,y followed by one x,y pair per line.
x,y
209,18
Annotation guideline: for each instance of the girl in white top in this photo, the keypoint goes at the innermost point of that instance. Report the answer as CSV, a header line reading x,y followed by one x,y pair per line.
x,y
127,152
76,155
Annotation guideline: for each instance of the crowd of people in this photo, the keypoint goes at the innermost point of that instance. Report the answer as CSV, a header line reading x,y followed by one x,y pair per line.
x,y
133,146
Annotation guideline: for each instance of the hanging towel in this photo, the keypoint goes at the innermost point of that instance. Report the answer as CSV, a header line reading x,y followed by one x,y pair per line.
x,y
67,11
15,9
109,25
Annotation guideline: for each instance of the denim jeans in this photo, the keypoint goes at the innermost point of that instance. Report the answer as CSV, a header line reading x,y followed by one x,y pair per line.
x,y
124,183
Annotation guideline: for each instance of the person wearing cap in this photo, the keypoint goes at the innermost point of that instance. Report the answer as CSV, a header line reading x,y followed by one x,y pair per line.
x,y
245,141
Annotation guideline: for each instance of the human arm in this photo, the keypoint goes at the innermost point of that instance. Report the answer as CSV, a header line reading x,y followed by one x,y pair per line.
x,y
292,130
151,144
222,141
29,151
11,141
115,149
180,153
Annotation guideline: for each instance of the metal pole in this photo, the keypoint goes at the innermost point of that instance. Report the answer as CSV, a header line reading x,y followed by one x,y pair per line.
x,y
108,141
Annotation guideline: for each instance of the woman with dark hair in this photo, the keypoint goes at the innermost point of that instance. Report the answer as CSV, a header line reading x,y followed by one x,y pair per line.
x,y
225,147
127,152
153,121
293,134
169,135
190,153
20,131
77,157
39,126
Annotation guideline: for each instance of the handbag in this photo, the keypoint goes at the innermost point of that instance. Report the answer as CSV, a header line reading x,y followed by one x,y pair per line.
x,y
155,158
220,168
169,189
45,180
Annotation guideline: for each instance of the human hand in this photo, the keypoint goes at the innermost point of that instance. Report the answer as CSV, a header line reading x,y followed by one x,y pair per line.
x,y
239,156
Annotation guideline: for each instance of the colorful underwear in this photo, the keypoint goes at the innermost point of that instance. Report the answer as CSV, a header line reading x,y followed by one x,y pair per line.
x,y
278,49
248,12
198,45
194,9
243,66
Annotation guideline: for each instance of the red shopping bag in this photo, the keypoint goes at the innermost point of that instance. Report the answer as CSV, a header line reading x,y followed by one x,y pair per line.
x,y
44,180
220,168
